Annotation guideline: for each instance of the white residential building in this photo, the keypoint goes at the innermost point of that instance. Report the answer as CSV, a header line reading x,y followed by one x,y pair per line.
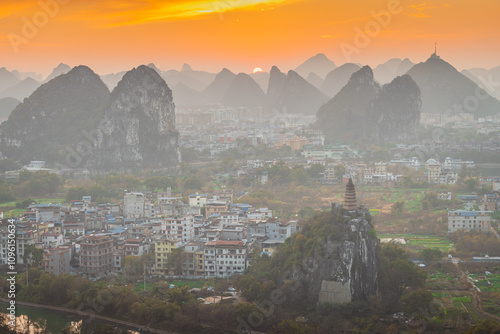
x,y
181,228
224,258
133,205
469,221
197,200
52,240
229,218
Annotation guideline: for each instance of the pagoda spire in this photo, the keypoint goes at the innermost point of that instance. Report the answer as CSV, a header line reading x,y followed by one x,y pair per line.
x,y
350,196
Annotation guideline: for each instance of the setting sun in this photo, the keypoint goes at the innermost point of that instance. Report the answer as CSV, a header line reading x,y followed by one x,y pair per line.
x,y
257,70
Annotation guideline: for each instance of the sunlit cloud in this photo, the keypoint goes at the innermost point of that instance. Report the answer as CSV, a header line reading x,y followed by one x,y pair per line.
x,y
422,6
134,12
419,15
338,35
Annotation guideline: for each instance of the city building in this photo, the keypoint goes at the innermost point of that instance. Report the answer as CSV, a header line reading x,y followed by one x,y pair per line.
x,y
197,200
163,247
224,258
96,256
469,221
133,205
181,228
57,260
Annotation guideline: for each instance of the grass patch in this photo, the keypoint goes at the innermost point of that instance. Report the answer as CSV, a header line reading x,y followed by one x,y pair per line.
x,y
190,284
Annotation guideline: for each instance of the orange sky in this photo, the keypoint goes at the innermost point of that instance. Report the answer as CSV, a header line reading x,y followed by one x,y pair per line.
x,y
110,35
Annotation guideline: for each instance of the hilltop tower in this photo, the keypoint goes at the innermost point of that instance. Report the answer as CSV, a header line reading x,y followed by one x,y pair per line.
x,y
435,55
350,196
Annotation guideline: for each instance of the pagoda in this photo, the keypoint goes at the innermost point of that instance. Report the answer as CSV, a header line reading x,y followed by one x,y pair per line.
x,y
350,196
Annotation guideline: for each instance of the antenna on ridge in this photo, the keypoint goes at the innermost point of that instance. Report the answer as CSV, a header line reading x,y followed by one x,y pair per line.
x,y
434,55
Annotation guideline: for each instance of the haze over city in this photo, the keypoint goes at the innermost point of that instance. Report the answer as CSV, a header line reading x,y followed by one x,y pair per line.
x,y
249,166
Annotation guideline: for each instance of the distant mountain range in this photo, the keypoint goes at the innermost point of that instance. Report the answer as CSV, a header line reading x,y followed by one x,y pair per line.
x,y
386,72
348,100
447,91
319,65
489,80
292,94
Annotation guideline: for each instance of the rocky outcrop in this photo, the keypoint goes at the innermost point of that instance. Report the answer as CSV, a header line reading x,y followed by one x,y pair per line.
x,y
365,112
75,121
216,90
54,116
345,267
319,64
338,78
277,81
447,91
244,92
292,94
138,128
394,115
343,117
59,70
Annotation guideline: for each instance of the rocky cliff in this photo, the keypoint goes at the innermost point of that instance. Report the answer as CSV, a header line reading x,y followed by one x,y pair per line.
x,y
75,121
343,117
244,92
138,128
293,94
394,115
447,91
343,267
364,112
54,116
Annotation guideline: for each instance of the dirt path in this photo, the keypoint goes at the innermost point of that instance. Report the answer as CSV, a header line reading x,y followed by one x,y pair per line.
x,y
89,314
475,298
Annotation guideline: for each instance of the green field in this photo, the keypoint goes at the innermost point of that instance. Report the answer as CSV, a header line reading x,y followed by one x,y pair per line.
x,y
425,241
191,284
138,287
490,284
13,212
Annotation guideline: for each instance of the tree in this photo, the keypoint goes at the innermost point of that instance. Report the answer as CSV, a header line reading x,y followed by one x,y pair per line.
x,y
406,181
33,256
298,175
6,194
471,185
228,164
133,266
8,165
315,171
397,208
159,182
279,173
397,273
431,254
419,301
485,326
75,193
306,212
430,201
221,286
192,183
175,261
291,327
339,172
